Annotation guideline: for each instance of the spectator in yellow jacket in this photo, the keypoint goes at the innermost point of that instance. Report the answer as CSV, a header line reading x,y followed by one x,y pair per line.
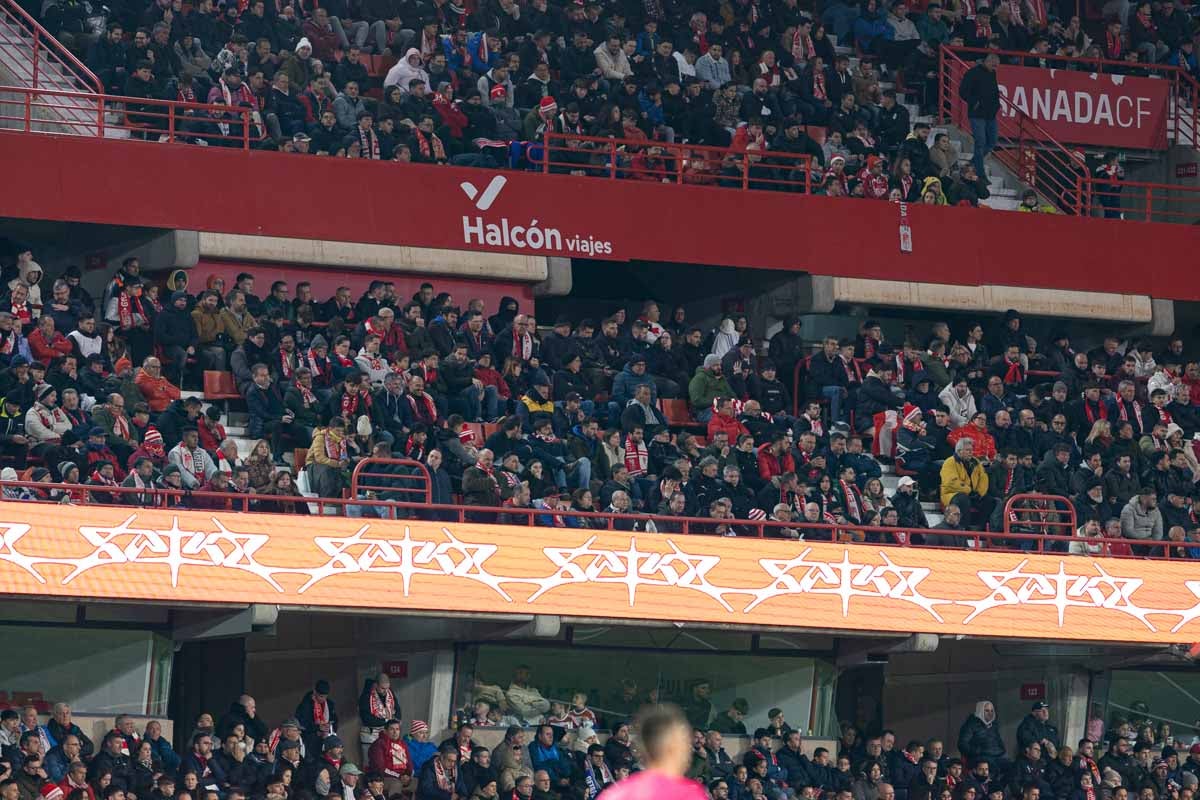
x,y
965,483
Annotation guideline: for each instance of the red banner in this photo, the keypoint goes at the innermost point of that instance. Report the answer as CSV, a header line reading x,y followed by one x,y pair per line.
x,y
74,178
1085,107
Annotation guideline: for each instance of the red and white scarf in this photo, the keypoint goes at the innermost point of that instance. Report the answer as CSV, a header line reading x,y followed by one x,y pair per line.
x,y
22,312
120,426
336,450
853,500
802,46
368,144
191,462
426,412
522,347
128,307
819,86
429,145
384,708
445,781
286,363
313,363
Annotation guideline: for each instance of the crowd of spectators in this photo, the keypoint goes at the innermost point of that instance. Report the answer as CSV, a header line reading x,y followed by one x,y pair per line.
x,y
240,756
647,415
467,84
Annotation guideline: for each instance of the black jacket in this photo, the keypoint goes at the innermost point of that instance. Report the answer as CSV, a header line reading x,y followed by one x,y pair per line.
x,y
976,740
874,396
1053,478
174,328
981,92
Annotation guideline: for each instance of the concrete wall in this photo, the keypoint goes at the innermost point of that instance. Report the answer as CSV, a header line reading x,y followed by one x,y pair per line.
x,y
383,258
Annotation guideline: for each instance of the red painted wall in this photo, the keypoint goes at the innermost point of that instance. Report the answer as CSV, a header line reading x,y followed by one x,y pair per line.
x,y
325,282
176,186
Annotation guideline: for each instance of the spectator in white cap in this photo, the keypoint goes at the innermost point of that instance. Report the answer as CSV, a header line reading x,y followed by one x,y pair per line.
x,y
907,502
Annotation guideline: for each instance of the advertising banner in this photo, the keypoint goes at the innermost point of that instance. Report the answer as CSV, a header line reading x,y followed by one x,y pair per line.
x,y
1073,107
184,556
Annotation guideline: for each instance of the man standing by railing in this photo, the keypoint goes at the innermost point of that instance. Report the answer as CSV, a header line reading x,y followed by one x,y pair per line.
x,y
980,91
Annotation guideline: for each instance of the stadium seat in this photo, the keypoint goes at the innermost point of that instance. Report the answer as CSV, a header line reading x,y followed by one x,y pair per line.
x,y
677,413
220,386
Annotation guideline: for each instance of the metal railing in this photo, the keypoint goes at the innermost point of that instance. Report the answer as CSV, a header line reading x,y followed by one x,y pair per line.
x,y
1023,146
1060,173
129,117
1185,91
1009,540
374,476
50,64
662,162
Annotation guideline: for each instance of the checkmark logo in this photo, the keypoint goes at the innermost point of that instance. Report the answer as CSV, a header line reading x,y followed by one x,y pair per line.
x,y
483,200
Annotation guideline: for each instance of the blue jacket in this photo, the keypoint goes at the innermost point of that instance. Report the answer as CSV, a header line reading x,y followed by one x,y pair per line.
x,y
420,752
165,753
869,27
625,382
551,759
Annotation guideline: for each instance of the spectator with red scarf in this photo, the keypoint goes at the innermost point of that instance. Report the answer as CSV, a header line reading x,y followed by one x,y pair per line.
x,y
389,757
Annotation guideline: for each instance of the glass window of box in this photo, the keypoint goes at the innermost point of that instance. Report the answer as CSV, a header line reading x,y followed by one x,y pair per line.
x,y
618,680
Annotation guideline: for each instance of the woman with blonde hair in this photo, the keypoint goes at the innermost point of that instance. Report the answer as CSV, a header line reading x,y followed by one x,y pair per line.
x,y
260,465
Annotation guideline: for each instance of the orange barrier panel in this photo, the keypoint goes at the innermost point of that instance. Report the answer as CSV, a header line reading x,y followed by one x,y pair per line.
x,y
180,557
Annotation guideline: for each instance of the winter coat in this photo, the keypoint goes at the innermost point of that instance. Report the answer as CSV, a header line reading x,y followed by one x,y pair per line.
x,y
705,386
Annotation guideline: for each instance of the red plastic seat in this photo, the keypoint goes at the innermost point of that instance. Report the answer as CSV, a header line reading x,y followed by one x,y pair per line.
x,y
677,413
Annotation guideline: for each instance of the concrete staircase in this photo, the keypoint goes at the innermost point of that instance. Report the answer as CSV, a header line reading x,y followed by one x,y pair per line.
x,y
31,59
1004,186
890,480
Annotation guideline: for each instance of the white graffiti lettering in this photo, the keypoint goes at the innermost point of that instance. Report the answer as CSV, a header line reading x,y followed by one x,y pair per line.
x,y
640,563
1062,590
846,579
631,567
405,557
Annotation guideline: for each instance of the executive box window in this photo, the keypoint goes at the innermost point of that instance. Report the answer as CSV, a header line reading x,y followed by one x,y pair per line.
x,y
95,670
802,686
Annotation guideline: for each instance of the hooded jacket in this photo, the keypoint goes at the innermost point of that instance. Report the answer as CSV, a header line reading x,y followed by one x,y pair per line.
x,y
174,328
403,72
979,739
962,409
29,268
705,386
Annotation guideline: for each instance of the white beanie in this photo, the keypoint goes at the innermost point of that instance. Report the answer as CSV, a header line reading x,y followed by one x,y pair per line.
x,y
304,42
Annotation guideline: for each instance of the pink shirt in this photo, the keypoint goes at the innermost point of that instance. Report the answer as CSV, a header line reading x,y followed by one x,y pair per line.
x,y
653,785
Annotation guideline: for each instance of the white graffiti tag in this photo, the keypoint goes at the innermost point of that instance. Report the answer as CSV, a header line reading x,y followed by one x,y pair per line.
x,y
1021,587
632,568
846,579
407,558
175,547
9,553
648,562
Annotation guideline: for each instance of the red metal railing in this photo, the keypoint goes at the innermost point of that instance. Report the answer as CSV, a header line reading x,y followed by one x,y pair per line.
x,y
51,66
1184,88
660,162
368,477
1023,146
998,541
1142,202
34,111
1059,173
